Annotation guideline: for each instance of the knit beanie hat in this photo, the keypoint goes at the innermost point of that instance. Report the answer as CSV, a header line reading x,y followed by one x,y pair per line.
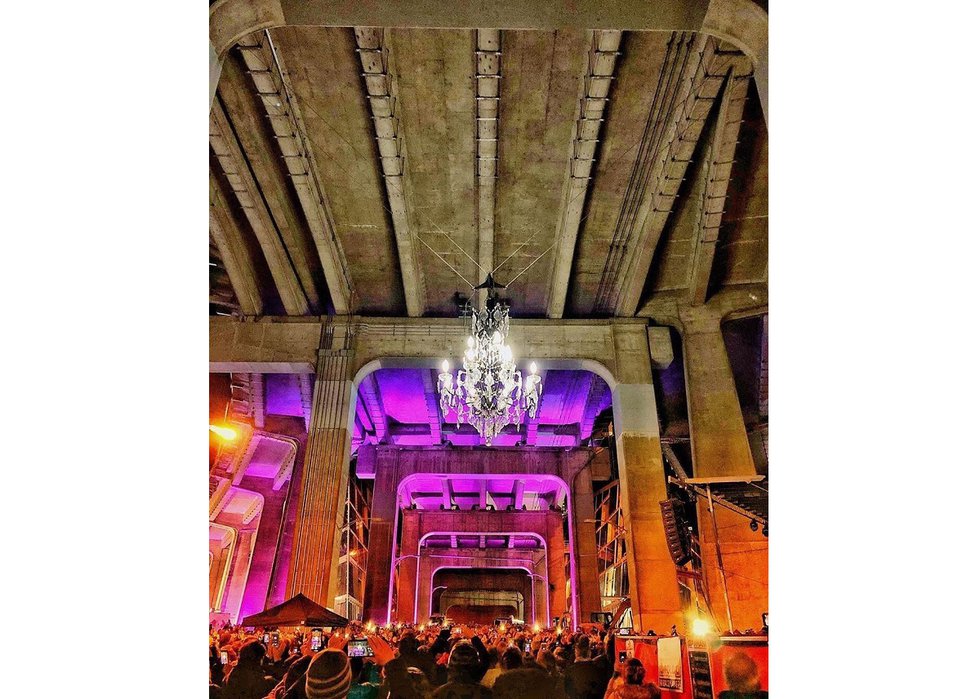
x,y
464,661
329,675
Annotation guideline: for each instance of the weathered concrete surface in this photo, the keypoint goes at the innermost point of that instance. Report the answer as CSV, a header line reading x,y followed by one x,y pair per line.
x,y
316,548
326,75
543,73
437,112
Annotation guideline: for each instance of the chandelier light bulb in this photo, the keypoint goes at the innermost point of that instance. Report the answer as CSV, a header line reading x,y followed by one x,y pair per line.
x,y
497,337
445,366
534,368
470,342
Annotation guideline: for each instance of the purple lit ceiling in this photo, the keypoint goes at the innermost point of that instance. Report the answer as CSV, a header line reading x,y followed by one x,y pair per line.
x,y
401,406
282,395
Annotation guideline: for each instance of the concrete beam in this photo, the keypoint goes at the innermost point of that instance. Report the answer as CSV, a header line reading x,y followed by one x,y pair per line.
x,y
531,427
713,179
257,395
617,348
743,301
375,408
225,145
306,396
518,497
214,71
382,92
230,20
234,253
600,68
447,494
671,147
486,86
271,80
432,407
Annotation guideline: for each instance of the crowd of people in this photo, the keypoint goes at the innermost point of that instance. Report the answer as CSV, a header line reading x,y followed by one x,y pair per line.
x,y
436,662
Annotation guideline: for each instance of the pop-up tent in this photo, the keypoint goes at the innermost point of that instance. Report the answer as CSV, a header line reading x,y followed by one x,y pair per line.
x,y
298,611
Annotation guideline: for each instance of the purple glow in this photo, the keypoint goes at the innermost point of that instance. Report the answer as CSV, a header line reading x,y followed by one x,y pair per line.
x,y
282,395
400,412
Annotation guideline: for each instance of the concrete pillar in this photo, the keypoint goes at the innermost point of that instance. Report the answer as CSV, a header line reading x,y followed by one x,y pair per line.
x,y
556,567
407,571
316,547
266,541
654,593
586,572
383,517
720,447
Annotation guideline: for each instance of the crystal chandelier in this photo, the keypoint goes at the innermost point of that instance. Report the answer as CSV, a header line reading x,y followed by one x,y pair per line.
x,y
489,391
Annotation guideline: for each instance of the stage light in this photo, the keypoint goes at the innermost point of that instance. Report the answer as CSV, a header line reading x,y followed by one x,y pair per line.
x,y
226,433
370,626
537,627
765,531
700,627
754,526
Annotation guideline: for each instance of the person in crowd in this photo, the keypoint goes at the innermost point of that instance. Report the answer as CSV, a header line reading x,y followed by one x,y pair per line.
x,y
628,683
397,678
294,680
464,672
742,677
546,659
329,675
247,679
522,680
585,679
366,679
493,668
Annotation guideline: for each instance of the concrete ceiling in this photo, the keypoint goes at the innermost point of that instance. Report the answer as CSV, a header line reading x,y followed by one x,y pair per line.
x,y
355,170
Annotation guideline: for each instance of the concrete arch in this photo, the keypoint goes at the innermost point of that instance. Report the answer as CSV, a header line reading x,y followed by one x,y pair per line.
x,y
462,596
540,539
401,362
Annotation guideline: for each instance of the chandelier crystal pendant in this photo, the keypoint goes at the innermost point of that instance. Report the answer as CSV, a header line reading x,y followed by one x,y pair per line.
x,y
489,391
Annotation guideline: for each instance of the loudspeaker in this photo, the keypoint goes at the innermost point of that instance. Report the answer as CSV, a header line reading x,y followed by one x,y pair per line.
x,y
676,529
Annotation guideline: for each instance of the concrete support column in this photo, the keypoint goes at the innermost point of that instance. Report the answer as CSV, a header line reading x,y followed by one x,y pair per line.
x,y
556,568
383,518
537,611
720,447
654,593
316,549
407,571
585,578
